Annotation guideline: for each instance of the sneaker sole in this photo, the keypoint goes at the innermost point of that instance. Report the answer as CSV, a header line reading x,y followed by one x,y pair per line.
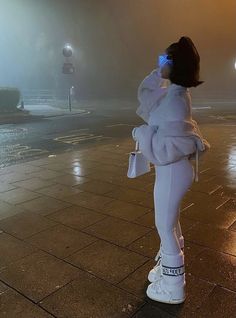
x,y
177,301
174,302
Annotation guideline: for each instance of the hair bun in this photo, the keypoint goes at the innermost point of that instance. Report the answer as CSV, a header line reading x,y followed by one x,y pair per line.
x,y
186,44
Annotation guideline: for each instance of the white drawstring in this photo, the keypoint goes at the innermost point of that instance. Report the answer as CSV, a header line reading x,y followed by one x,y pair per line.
x,y
196,166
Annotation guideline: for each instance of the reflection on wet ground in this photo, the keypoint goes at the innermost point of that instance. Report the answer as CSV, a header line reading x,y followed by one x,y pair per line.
x,y
75,229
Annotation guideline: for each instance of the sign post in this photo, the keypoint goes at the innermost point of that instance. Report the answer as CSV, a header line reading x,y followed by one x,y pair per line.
x,y
68,68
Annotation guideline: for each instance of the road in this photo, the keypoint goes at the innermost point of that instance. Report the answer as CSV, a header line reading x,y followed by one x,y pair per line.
x,y
49,136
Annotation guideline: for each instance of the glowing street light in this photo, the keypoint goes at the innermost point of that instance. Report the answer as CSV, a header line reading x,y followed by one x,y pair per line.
x,y
67,50
68,67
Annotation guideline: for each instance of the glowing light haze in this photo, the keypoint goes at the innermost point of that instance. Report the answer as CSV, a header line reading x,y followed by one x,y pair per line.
x,y
115,43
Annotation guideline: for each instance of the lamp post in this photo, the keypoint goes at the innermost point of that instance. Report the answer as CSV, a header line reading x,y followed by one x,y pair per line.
x,y
68,68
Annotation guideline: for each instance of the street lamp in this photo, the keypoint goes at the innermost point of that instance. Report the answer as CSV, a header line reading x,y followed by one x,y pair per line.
x,y
67,50
68,68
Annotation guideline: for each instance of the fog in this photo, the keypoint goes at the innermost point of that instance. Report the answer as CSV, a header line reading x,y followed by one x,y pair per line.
x,y
115,43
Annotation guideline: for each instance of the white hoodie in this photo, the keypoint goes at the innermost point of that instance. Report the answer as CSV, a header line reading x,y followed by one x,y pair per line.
x,y
170,133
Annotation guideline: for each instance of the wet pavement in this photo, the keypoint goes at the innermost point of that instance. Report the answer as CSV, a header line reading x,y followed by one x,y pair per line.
x,y
78,237
91,122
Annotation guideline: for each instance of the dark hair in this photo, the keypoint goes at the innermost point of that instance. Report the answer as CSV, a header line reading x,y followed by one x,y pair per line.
x,y
186,63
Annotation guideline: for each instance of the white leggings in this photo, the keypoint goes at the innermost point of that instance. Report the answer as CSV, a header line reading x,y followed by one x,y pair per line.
x,y
171,184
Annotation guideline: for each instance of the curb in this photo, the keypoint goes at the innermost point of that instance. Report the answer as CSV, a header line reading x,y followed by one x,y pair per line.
x,y
16,117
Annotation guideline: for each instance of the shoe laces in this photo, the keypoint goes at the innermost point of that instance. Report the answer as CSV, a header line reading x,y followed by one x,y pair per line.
x,y
157,265
159,288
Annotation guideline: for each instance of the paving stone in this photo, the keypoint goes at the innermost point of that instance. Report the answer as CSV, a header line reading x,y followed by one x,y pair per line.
x,y
44,205
7,210
105,176
15,305
233,227
125,210
137,282
191,250
138,184
215,169
213,216
25,224
57,166
97,187
33,184
88,200
61,241
46,174
59,191
107,261
187,200
26,168
147,245
213,237
220,303
215,267
112,168
18,196
207,186
14,176
148,219
226,188
79,171
42,161
186,223
229,206
8,170
149,311
4,186
117,231
70,180
13,249
75,299
38,275
84,162
3,287
132,196
77,217
205,201
147,177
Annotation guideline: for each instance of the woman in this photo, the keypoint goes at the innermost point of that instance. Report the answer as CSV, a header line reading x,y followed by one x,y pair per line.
x,y
169,140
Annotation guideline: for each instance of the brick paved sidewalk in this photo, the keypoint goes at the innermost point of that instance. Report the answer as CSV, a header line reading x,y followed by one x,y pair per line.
x,y
78,237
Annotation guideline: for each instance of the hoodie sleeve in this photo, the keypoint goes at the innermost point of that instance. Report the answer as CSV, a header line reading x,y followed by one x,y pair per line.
x,y
150,92
162,150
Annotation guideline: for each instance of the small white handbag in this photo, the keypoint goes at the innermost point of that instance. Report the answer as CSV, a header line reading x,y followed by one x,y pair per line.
x,y
138,164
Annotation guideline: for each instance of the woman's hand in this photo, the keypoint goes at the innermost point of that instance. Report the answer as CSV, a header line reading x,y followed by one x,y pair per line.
x,y
138,130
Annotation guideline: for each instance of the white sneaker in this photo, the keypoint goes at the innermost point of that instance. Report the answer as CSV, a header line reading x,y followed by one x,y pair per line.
x,y
169,294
